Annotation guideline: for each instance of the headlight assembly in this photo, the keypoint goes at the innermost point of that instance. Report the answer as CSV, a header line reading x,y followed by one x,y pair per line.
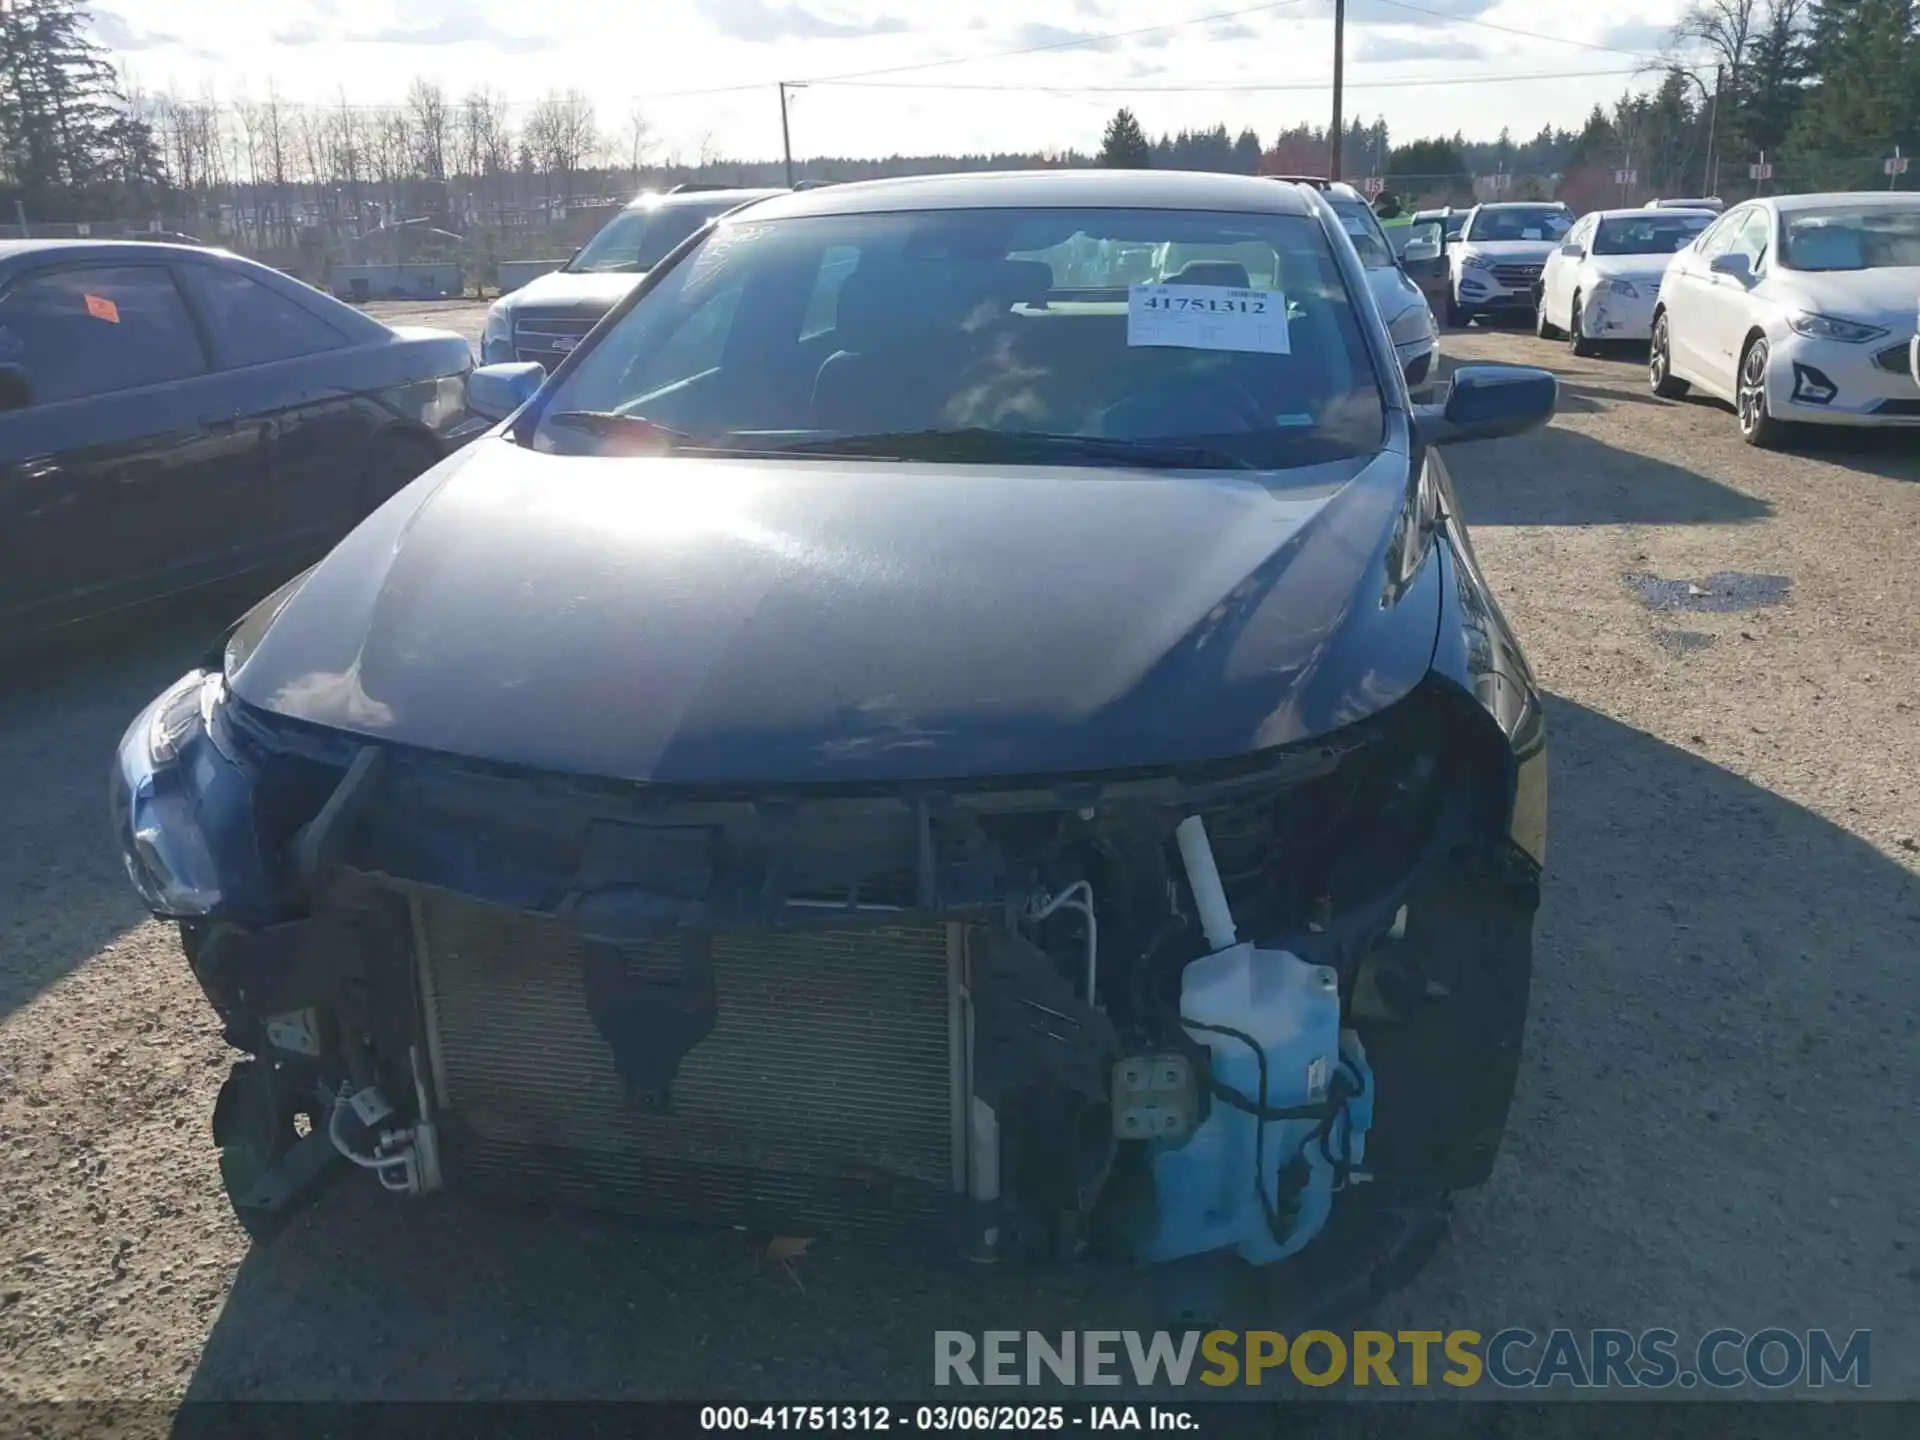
x,y
180,805
1475,262
1827,327
1625,289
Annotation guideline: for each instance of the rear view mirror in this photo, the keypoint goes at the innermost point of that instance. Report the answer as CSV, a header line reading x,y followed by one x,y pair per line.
x,y
496,391
16,387
1573,252
1488,402
1734,264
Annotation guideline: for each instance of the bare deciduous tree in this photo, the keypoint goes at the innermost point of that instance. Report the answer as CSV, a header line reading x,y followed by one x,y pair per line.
x,y
562,136
427,111
1725,27
640,140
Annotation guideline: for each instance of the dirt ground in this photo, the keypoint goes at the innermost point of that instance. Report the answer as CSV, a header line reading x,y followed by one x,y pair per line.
x,y
1716,1112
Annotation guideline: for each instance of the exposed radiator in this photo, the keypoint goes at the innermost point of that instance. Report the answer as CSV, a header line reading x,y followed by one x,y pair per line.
x,y
824,1096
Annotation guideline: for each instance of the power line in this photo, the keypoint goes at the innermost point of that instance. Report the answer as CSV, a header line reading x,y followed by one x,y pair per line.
x,y
1213,87
1076,42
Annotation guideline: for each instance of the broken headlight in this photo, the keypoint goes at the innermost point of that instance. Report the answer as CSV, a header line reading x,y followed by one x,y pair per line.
x,y
175,796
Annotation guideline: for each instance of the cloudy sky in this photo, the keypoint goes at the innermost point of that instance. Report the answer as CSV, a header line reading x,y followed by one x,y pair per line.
x,y
915,75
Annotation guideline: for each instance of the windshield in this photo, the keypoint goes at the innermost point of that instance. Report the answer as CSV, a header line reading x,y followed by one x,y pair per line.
x,y
641,237
1363,228
1648,234
1522,222
1162,338
1878,237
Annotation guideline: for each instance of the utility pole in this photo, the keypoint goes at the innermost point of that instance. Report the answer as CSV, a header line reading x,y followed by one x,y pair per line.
x,y
786,136
1338,132
1713,127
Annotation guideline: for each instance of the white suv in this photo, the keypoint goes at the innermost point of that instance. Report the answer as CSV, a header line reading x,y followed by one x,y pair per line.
x,y
1494,266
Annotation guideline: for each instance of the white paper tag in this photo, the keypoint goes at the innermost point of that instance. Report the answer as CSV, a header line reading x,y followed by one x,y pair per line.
x,y
1317,1078
1208,317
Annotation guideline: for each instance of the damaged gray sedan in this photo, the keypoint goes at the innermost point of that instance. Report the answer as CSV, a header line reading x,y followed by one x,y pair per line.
x,y
902,734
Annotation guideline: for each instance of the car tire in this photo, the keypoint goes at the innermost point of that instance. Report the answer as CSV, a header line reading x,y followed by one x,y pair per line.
x,y
1758,428
1660,362
1544,328
1577,341
398,460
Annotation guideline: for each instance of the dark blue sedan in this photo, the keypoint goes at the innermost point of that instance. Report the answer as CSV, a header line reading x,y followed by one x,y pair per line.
x,y
172,416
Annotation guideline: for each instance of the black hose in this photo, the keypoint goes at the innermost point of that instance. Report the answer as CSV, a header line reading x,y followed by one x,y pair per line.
x,y
1279,1227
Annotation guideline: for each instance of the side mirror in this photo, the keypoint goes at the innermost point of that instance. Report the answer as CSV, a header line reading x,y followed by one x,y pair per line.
x,y
1735,264
1488,402
496,391
16,387
1573,252
1421,251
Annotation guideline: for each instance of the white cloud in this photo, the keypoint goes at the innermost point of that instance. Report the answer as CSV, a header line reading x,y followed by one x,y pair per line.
x,y
765,21
734,50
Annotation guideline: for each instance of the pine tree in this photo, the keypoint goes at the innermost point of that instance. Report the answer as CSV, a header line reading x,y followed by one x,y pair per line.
x,y
1246,152
67,140
1125,147
1864,58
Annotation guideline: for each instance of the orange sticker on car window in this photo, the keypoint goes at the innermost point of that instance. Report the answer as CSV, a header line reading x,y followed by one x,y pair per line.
x,y
102,308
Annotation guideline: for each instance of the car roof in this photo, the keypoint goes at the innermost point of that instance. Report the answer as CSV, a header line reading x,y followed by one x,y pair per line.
x,y
1522,205
1044,189
1864,199
1652,212
101,249
1321,183
669,199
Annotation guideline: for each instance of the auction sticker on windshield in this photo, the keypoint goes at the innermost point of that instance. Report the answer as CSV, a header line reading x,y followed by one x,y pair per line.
x,y
1208,317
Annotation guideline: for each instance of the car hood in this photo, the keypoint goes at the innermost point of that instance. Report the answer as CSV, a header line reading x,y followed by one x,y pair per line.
x,y
1519,250
560,290
1650,268
709,621
1886,297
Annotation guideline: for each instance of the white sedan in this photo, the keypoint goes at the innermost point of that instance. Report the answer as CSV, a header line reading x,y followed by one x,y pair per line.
x,y
1797,308
1602,281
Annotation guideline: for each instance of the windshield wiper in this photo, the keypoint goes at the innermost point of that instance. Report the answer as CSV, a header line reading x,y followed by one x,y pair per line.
x,y
617,422
977,443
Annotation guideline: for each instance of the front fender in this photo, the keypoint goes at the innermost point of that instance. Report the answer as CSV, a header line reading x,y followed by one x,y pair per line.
x,y
1477,652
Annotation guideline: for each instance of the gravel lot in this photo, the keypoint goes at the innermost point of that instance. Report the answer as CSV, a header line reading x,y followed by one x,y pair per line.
x,y
1715,1118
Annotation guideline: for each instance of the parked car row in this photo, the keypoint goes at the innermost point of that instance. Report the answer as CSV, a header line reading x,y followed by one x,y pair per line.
x,y
1792,309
